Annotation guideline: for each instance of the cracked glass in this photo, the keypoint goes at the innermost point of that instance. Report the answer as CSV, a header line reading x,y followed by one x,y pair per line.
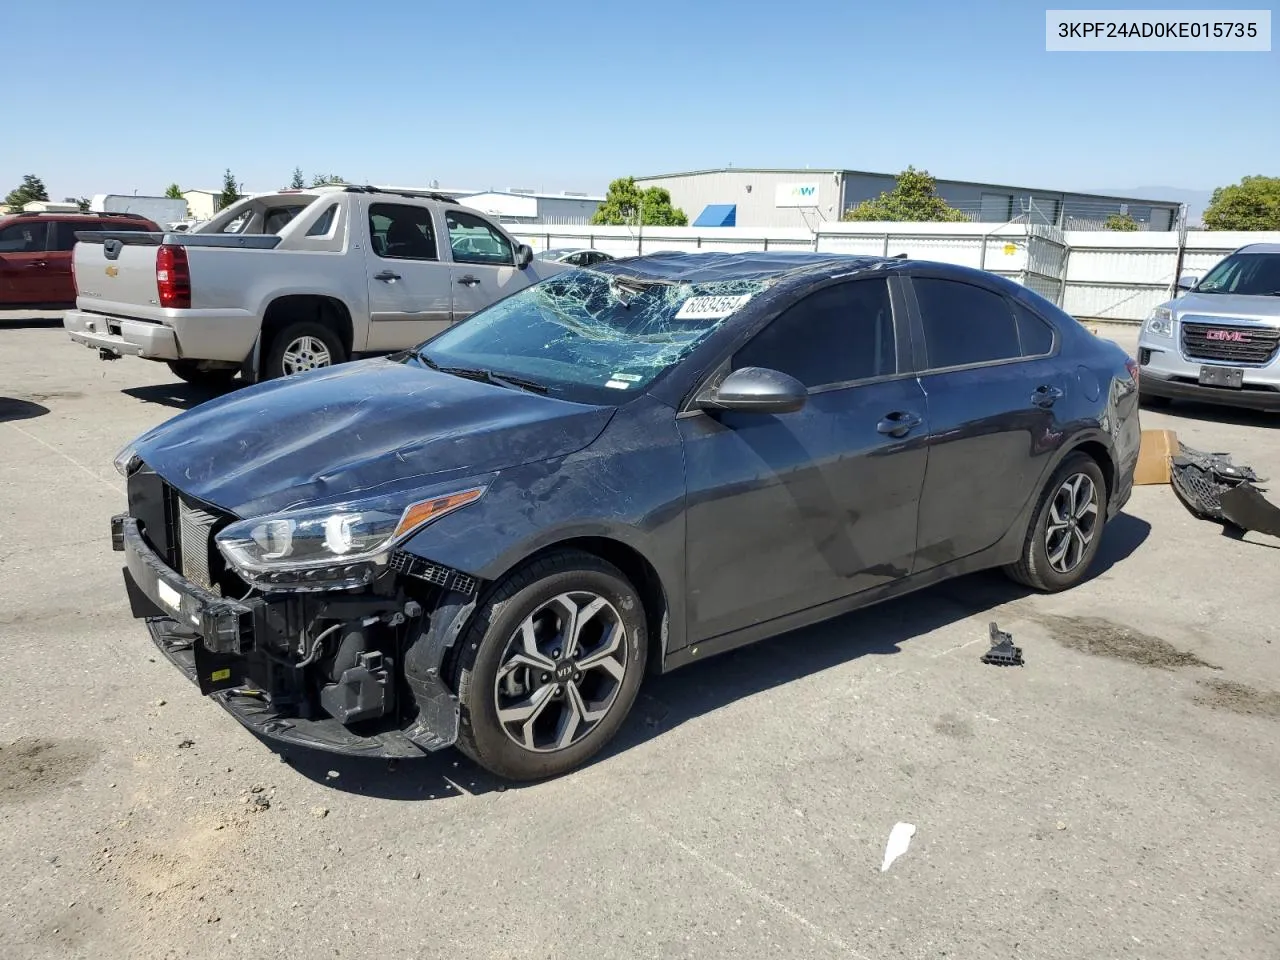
x,y
590,337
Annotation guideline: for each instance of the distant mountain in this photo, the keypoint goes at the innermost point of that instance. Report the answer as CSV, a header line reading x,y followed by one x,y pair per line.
x,y
1196,200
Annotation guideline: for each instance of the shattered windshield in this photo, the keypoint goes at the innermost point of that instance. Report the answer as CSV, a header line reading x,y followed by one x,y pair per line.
x,y
589,337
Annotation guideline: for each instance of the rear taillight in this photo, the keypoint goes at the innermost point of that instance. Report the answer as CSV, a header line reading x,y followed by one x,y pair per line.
x,y
1132,366
173,277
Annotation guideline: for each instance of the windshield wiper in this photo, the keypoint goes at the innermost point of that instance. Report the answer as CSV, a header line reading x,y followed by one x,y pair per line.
x,y
498,379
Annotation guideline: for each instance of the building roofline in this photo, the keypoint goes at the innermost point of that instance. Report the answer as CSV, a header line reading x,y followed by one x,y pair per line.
x,y
871,173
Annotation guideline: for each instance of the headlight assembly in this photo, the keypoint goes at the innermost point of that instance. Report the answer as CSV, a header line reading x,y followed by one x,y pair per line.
x,y
126,461
1160,323
325,548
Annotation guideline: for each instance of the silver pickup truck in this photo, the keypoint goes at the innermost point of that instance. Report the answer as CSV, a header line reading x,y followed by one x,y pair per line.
x,y
285,282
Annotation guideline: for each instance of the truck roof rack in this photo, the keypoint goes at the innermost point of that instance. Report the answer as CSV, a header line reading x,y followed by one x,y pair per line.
x,y
423,194
79,213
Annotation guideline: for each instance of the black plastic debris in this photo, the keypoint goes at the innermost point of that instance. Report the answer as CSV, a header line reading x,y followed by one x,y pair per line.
x,y
1002,653
1213,487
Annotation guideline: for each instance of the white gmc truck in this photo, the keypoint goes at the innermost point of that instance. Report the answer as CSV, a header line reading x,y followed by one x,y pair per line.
x,y
285,282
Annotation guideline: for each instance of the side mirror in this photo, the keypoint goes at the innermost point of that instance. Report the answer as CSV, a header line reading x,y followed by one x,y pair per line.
x,y
755,390
1187,281
524,255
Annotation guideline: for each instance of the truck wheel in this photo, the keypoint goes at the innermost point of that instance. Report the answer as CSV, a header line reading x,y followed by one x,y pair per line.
x,y
300,347
550,666
1066,528
189,370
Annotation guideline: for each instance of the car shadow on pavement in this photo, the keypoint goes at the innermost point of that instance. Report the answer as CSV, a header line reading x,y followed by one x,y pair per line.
x,y
12,408
667,701
181,396
15,321
1215,413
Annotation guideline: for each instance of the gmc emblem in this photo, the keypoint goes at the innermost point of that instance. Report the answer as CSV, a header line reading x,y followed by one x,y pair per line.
x,y
1231,336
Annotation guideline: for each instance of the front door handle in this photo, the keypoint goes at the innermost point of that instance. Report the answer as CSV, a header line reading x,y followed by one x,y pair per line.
x,y
1046,396
899,423
37,264
469,281
386,276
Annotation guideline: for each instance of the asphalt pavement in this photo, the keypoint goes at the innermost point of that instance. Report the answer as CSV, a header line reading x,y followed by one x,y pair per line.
x,y
1113,797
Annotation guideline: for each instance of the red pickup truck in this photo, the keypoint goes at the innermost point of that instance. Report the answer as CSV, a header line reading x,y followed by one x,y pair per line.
x,y
35,254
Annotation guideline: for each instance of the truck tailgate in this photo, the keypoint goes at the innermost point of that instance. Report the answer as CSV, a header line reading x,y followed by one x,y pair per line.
x,y
114,270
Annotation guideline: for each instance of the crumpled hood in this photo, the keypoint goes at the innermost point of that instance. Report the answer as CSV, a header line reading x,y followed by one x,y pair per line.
x,y
370,426
1226,305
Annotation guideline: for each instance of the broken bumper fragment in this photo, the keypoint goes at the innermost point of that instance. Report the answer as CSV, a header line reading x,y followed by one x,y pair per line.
x,y
1212,487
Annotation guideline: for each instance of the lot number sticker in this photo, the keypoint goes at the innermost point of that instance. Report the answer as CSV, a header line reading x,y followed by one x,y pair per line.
x,y
711,308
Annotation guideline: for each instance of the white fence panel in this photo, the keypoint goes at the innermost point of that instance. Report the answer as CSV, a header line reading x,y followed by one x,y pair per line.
x,y
1099,274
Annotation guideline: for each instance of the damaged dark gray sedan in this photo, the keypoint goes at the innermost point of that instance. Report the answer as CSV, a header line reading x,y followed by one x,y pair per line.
x,y
489,540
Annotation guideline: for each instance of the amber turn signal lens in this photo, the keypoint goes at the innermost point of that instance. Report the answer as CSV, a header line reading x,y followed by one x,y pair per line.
x,y
427,510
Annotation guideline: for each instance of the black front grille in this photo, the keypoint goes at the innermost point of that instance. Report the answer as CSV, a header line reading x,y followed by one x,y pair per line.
x,y
1229,343
179,528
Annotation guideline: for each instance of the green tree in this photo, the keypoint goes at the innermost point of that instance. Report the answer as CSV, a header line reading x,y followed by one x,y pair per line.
x,y
1251,204
230,190
627,205
173,192
1120,221
324,179
297,183
913,198
84,203
32,188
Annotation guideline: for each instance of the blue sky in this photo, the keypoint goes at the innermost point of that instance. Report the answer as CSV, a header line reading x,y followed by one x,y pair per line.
x,y
551,95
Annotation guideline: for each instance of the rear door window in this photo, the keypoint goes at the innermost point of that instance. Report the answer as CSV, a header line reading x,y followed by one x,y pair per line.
x,y
402,232
964,324
1035,335
23,237
64,233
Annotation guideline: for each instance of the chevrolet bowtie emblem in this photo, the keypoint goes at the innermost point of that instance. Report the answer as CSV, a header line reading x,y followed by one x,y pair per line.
x,y
112,271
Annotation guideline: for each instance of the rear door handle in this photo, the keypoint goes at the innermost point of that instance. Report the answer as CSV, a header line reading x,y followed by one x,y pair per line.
x,y
1046,396
386,276
469,281
899,423
37,264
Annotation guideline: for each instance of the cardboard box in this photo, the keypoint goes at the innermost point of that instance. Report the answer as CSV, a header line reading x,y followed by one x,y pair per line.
x,y
1153,457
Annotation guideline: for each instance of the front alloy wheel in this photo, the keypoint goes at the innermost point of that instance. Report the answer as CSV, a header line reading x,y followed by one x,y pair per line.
x,y
549,665
1073,521
561,672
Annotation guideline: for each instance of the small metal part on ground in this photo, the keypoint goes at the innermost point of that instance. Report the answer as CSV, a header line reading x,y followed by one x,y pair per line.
x,y
1002,653
1212,487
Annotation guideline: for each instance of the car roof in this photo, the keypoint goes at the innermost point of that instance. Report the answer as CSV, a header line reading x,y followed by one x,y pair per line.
x,y
718,267
1260,248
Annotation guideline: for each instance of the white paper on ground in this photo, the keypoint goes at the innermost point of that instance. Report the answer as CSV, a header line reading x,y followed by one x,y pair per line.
x,y
899,839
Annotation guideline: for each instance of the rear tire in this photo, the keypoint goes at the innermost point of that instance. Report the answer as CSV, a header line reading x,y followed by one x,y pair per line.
x,y
189,370
1066,527
520,717
302,346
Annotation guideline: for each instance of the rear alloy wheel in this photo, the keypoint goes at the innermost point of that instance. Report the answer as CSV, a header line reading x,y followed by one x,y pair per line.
x,y
301,347
550,666
1066,530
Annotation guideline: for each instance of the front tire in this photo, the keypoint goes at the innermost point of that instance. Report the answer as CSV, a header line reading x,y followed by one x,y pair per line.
x,y
550,666
299,347
1066,528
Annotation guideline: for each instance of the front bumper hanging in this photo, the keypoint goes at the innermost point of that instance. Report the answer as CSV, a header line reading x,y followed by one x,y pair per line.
x,y
213,640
